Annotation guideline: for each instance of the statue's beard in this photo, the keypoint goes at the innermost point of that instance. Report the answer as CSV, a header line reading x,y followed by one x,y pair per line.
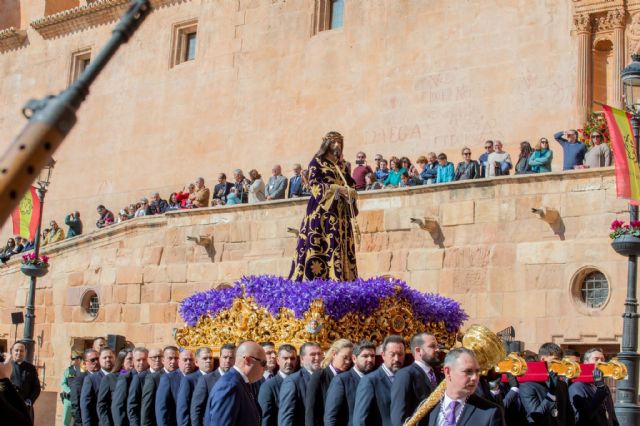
x,y
337,152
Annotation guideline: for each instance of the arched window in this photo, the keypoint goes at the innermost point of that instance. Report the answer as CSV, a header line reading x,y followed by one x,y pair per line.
x,y
602,73
337,13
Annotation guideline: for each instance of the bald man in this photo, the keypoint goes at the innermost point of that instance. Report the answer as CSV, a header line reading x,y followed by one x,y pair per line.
x,y
231,401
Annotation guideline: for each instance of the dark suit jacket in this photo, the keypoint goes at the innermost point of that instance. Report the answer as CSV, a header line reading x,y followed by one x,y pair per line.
x,y
201,397
593,406
105,392
89,398
231,402
166,398
410,387
76,388
14,410
268,399
341,398
373,400
477,412
134,398
293,393
539,408
119,398
25,378
148,404
316,396
183,401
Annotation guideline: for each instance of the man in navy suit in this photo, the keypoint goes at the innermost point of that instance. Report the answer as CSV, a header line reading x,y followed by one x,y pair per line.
x,y
231,401
151,384
204,362
293,391
168,387
269,395
592,402
91,386
91,365
341,396
134,397
123,385
373,396
415,382
460,405
201,392
339,361
295,183
105,392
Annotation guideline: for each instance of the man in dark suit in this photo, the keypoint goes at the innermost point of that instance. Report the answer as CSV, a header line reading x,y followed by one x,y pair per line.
x,y
121,392
460,405
24,376
293,391
151,383
341,396
204,362
268,397
373,395
105,393
91,386
91,365
205,384
221,190
167,393
134,397
231,401
592,402
339,361
14,410
547,403
415,382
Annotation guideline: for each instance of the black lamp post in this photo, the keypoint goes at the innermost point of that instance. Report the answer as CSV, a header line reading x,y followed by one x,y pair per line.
x,y
626,406
29,323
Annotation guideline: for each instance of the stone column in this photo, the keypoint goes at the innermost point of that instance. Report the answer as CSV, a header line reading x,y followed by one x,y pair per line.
x,y
617,19
582,25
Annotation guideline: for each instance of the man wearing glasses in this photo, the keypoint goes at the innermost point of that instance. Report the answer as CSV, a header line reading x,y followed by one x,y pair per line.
x,y
91,365
134,399
232,401
572,149
484,158
599,155
361,170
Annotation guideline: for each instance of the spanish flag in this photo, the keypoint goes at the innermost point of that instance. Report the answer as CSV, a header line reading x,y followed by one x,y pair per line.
x,y
25,218
624,148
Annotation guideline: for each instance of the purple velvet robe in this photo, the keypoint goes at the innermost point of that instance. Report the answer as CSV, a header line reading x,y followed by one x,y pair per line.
x,y
326,247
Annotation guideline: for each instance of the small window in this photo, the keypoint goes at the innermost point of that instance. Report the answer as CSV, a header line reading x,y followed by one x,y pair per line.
x,y
185,36
337,13
595,289
80,60
90,304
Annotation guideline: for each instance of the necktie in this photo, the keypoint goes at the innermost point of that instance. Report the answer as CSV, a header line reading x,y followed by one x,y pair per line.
x,y
391,378
432,378
450,419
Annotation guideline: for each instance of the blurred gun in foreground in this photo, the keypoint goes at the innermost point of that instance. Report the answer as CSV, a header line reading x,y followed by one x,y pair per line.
x,y
52,118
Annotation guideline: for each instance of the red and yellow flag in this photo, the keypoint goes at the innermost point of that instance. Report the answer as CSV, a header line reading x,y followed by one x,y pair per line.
x,y
25,217
622,142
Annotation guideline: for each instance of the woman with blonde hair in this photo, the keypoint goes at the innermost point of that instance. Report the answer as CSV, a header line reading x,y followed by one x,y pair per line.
x,y
338,359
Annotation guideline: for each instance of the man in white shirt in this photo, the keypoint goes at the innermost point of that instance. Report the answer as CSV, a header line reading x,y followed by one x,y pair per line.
x,y
499,162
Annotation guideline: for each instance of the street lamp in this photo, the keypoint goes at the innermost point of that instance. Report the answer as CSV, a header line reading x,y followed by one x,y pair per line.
x,y
43,181
626,406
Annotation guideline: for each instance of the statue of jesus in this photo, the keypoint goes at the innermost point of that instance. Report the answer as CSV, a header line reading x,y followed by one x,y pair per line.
x,y
326,247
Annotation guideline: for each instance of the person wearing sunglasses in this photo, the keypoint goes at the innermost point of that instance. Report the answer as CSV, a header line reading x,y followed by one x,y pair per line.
x,y
541,157
599,155
232,401
572,149
90,365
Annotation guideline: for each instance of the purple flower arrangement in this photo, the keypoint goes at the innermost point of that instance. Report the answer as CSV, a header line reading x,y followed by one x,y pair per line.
x,y
361,296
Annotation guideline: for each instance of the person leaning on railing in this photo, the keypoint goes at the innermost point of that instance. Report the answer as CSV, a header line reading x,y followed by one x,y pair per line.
x,y
541,157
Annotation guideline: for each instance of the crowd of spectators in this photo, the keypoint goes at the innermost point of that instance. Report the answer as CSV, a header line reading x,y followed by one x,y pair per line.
x,y
349,384
396,172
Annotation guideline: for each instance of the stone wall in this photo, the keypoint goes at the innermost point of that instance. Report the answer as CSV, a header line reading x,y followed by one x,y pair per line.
x,y
400,78
502,262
